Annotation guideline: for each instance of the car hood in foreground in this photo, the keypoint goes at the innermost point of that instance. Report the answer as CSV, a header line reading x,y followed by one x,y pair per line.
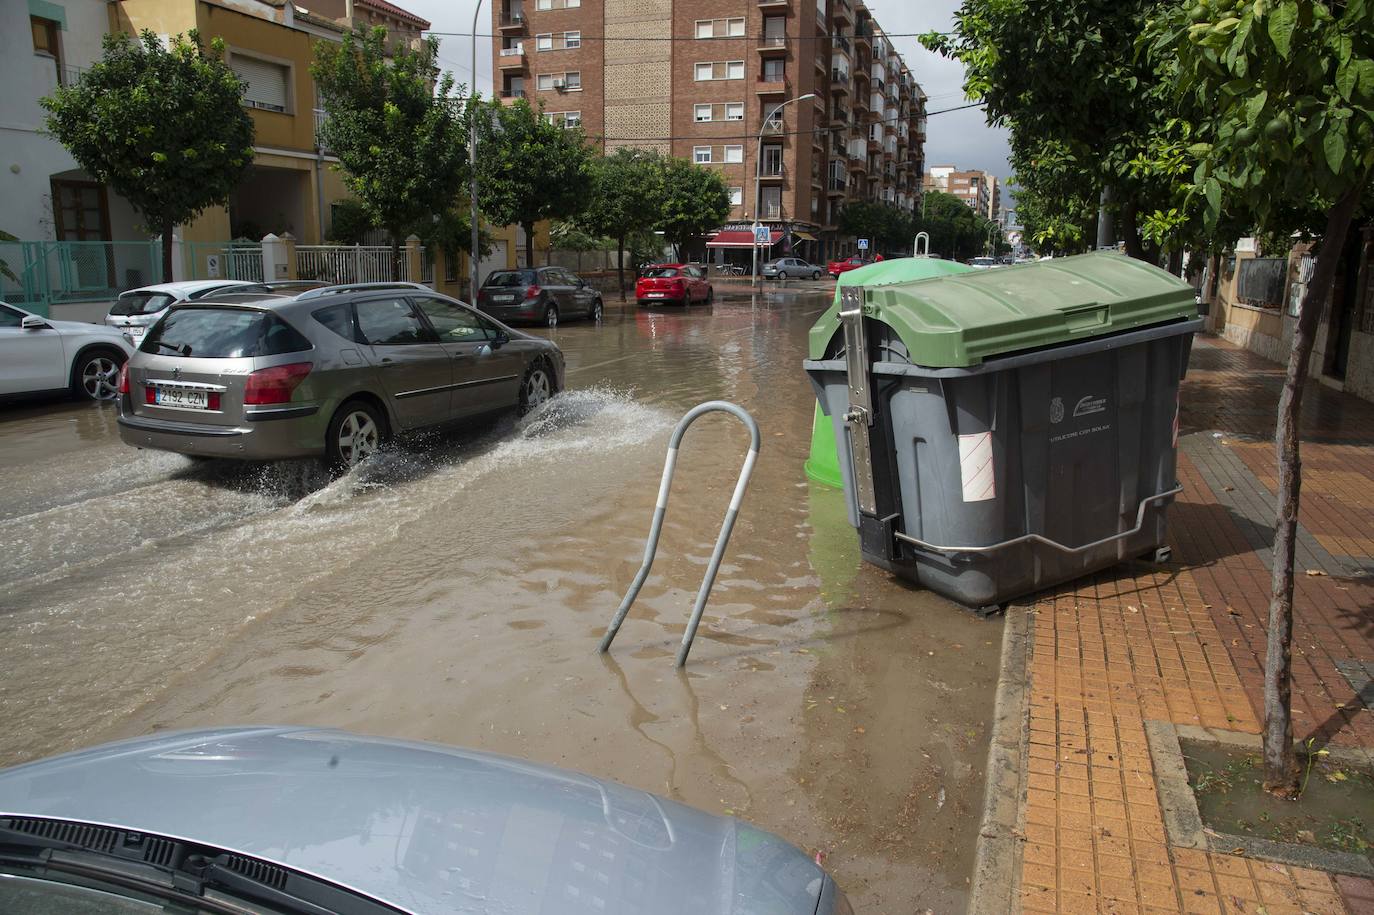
x,y
423,827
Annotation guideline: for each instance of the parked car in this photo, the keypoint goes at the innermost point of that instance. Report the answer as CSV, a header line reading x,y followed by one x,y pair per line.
x,y
331,372
673,283
283,819
274,287
835,268
39,355
540,294
983,263
136,310
783,267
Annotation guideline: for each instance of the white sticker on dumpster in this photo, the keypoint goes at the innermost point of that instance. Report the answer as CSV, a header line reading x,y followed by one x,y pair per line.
x,y
975,467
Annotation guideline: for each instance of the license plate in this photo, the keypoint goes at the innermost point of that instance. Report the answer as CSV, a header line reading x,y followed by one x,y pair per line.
x,y
180,397
503,298
135,331
655,295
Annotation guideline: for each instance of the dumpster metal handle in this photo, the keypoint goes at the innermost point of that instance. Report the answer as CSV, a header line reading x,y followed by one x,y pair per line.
x,y
1025,538
661,508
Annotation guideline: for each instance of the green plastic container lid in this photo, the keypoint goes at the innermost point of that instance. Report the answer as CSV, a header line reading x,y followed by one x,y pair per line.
x,y
957,321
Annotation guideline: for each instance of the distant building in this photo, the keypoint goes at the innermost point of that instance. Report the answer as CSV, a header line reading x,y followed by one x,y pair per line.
x,y
977,189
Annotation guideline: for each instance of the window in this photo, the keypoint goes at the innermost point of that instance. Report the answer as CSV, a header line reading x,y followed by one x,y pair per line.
x,y
718,69
557,4
543,42
734,111
267,82
45,43
569,82
720,28
701,154
564,119
774,70
225,333
701,112
734,154
772,160
391,322
338,318
566,41
572,39
454,323
736,196
772,202
573,80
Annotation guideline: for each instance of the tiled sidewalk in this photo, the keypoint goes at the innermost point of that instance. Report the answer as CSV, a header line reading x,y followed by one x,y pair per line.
x,y
1184,643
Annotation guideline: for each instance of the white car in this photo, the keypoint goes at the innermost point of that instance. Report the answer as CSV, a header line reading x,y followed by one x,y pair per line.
x,y
39,355
138,309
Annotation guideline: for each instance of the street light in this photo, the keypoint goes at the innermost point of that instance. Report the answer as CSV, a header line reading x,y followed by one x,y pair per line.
x,y
472,162
758,172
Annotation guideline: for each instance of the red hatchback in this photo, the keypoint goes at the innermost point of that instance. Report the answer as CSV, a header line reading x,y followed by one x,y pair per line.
x,y
835,268
682,284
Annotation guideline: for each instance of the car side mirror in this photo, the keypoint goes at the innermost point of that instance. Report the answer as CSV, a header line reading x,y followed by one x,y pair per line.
x,y
500,340
581,283
34,322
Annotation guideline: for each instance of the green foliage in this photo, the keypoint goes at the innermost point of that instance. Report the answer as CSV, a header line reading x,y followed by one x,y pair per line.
x,y
528,170
887,226
1288,91
626,187
402,147
695,201
955,230
161,125
351,222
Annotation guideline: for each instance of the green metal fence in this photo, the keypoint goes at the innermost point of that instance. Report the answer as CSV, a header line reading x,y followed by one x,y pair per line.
x,y
40,274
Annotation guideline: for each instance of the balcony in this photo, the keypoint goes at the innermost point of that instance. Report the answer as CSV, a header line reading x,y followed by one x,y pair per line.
x,y
863,34
513,21
773,127
840,43
839,82
772,46
836,187
841,11
320,116
771,174
771,86
508,96
779,6
512,58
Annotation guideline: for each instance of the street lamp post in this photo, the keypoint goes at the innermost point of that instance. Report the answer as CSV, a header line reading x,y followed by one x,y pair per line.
x,y
472,162
758,172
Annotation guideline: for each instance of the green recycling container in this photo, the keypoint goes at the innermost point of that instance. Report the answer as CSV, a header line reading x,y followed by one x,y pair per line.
x,y
823,464
1002,431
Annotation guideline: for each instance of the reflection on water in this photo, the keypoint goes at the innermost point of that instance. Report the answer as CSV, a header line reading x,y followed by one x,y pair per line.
x,y
455,589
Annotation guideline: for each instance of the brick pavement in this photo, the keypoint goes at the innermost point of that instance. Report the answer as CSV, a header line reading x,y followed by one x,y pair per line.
x,y
1184,643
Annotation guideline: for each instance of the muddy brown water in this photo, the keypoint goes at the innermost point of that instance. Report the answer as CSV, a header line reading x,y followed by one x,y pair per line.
x,y
455,591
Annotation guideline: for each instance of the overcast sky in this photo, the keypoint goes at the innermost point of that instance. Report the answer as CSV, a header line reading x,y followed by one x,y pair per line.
x,y
960,138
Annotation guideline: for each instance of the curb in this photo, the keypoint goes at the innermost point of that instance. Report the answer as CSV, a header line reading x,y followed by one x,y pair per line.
x,y
997,860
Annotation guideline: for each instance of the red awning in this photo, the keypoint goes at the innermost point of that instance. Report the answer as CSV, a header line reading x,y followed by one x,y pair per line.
x,y
739,238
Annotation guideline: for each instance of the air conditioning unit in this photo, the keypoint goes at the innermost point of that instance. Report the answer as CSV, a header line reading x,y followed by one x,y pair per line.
x,y
560,85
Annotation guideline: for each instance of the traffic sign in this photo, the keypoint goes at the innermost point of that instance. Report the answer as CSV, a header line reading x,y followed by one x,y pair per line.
x,y
863,244
762,235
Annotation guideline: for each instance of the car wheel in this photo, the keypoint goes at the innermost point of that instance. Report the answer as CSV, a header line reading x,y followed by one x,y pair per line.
x,y
782,274
710,295
354,434
597,312
816,275
551,315
537,386
95,375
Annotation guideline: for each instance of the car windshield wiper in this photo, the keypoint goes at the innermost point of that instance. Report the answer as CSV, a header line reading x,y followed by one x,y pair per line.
x,y
184,349
185,871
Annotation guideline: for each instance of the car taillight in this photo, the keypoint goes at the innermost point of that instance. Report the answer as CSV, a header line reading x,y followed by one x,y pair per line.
x,y
276,384
124,377
532,292
679,285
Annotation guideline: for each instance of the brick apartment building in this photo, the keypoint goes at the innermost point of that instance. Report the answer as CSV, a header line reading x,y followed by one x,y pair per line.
x,y
979,190
697,81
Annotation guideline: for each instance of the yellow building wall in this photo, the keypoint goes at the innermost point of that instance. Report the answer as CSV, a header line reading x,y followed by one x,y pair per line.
x,y
164,17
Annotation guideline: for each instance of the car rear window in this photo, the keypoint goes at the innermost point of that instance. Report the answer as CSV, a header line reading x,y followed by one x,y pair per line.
x,y
510,278
660,272
223,333
141,303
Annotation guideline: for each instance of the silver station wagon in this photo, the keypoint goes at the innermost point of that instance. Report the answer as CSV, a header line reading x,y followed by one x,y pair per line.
x,y
330,373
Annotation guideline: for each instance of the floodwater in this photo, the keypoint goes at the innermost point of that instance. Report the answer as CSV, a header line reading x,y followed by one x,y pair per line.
x,y
455,590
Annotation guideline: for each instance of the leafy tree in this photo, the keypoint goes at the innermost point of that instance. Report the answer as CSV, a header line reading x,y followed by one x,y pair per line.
x,y
695,201
888,226
1289,85
954,228
528,169
402,144
626,189
162,125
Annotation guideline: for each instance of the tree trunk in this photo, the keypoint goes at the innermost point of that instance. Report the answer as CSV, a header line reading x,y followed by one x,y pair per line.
x,y
1175,264
395,256
1129,233
529,243
167,229
1280,760
620,265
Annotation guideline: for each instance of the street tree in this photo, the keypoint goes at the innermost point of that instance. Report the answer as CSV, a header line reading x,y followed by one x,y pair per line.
x,y
529,169
1290,88
626,190
954,228
396,126
695,201
885,225
162,125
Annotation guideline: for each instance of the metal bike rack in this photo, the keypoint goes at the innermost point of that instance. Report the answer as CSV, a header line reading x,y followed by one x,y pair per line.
x,y
660,509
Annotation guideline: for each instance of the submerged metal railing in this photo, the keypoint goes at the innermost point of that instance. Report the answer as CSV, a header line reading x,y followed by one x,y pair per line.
x,y
660,509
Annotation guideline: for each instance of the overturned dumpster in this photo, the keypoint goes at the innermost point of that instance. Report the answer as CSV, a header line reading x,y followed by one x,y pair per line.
x,y
1003,431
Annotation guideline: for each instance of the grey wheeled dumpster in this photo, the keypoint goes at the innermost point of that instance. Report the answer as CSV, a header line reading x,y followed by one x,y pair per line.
x,y
1004,431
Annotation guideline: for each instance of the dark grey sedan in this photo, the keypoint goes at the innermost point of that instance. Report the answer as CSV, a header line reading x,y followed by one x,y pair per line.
x,y
539,295
791,268
331,372
312,821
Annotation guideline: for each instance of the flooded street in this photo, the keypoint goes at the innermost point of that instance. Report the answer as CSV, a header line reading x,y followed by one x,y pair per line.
x,y
455,590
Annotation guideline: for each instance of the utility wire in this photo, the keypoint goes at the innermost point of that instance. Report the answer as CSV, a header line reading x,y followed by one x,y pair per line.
x,y
785,39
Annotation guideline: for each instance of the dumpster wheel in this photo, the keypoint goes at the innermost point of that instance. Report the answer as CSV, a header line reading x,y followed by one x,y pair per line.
x,y
988,611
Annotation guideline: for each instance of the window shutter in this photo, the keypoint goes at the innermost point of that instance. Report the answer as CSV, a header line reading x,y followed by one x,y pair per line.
x,y
266,82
